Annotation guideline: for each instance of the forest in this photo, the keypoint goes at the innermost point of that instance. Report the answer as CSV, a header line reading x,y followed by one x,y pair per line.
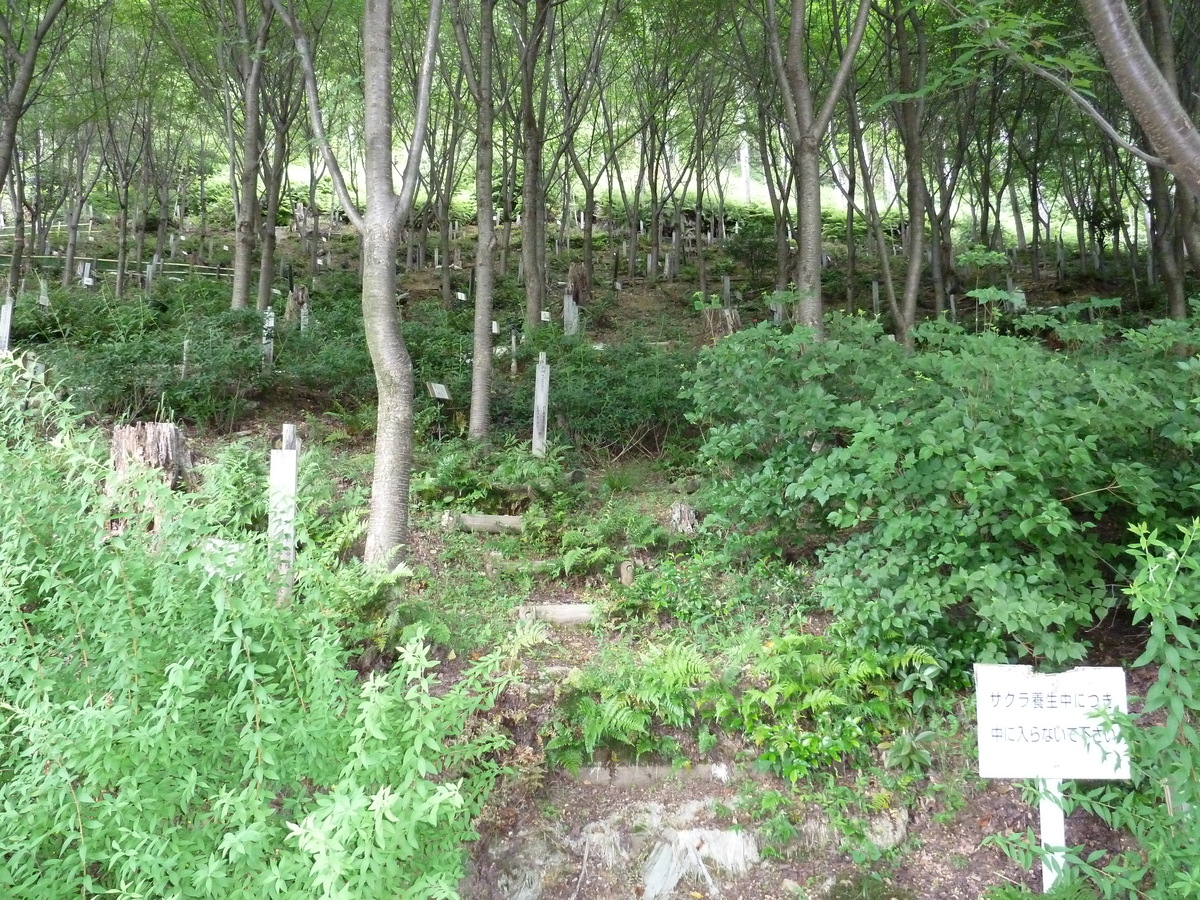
x,y
559,449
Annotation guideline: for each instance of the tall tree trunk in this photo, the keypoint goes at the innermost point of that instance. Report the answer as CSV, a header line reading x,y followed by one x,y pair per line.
x,y
479,420
379,228
1152,99
806,125
533,194
248,209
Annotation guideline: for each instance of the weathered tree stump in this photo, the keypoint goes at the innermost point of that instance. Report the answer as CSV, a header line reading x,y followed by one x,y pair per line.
x,y
722,322
683,518
156,445
297,302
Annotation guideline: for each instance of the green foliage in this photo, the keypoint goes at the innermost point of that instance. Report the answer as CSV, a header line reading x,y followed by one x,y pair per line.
x,y
618,399
803,701
753,246
909,752
1063,890
489,478
607,537
970,495
169,729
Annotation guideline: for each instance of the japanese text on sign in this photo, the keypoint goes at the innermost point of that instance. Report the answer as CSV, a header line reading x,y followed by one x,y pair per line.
x,y
1046,726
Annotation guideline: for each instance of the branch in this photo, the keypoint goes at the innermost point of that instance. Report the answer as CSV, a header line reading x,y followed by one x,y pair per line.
x,y
317,119
1023,62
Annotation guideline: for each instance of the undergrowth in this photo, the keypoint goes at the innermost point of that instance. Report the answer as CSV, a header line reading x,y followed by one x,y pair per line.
x,y
170,729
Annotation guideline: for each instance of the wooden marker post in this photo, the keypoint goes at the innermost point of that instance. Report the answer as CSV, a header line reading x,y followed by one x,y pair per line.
x,y
6,312
541,406
281,509
726,290
570,313
875,297
183,365
43,292
268,340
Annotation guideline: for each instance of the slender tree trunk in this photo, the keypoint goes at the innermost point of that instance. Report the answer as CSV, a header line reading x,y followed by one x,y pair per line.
x,y
273,176
806,125
248,209
479,421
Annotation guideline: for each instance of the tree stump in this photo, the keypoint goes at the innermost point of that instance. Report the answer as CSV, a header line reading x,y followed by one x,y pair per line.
x,y
156,445
297,302
683,518
578,285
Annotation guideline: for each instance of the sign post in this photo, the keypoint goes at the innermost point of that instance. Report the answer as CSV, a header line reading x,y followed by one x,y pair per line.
x,y
1046,727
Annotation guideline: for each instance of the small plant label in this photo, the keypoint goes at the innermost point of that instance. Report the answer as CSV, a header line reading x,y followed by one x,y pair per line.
x,y
1050,727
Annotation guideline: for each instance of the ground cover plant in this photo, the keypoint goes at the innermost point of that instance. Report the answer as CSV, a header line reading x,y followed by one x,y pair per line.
x,y
169,728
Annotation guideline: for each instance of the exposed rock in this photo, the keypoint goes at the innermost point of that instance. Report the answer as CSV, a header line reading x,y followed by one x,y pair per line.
x,y
694,853
888,830
521,867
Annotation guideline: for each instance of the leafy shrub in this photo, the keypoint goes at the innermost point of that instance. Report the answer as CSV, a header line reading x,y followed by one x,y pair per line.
x,y
972,496
489,479
170,730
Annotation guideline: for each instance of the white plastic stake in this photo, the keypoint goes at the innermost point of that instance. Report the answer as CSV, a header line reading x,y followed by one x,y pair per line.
x,y
281,507
570,314
268,340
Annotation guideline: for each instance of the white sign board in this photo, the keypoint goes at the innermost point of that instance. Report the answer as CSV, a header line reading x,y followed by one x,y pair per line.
x,y
1045,726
